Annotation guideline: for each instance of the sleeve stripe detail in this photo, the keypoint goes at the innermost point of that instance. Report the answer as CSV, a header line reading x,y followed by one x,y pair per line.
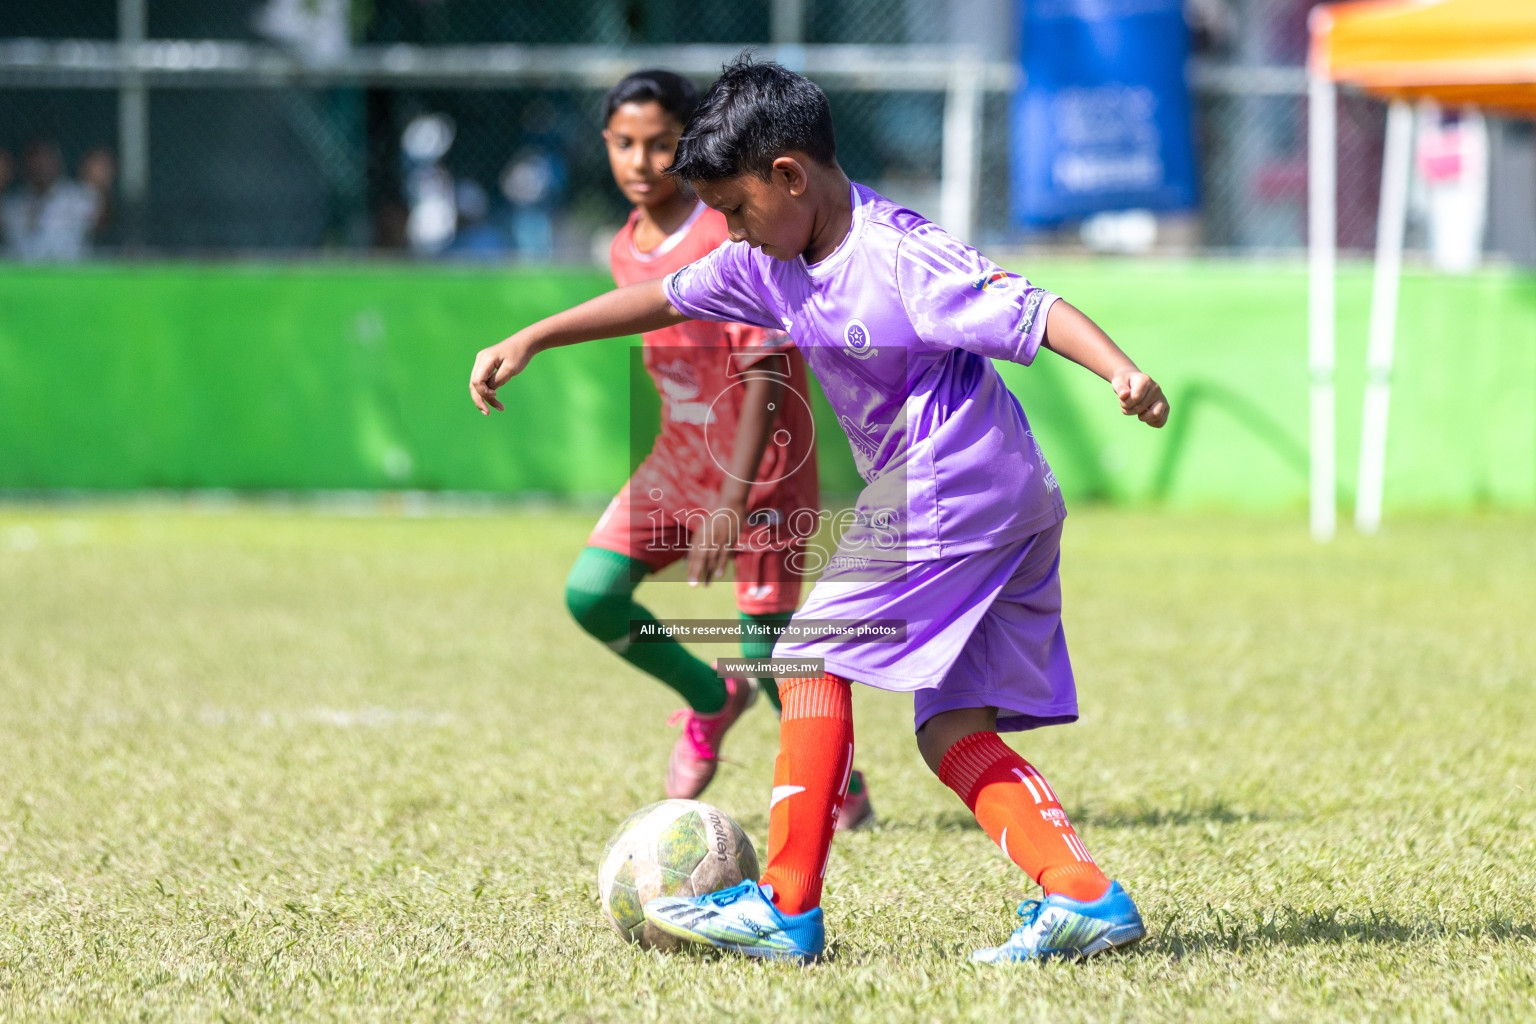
x,y
936,271
943,254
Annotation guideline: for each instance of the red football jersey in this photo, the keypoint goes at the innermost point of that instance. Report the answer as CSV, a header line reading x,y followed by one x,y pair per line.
x,y
700,369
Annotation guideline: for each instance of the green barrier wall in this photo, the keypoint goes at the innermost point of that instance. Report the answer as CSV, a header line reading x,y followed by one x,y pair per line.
x,y
294,377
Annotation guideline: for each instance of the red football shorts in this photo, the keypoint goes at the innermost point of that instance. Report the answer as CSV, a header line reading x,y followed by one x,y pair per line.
x,y
766,581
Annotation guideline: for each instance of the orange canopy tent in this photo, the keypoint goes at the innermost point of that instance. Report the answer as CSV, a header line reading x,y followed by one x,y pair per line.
x,y
1456,52
1460,52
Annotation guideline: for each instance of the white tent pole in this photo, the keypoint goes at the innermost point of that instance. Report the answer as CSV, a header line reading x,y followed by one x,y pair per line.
x,y
1396,162
1322,237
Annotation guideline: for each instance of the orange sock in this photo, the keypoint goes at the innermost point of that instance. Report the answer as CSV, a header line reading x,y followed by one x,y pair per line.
x,y
810,779
1012,801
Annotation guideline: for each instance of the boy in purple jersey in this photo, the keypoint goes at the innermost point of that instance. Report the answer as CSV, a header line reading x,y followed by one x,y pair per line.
x,y
956,535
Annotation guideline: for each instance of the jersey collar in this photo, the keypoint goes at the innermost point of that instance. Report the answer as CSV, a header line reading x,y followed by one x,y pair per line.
x,y
834,259
671,241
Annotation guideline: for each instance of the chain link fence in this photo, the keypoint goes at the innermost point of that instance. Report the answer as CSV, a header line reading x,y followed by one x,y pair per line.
x,y
316,166
1254,170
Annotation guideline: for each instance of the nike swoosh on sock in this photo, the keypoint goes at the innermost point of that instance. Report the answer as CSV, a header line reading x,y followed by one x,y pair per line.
x,y
781,792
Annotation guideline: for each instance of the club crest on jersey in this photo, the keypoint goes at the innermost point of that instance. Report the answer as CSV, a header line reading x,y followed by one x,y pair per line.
x,y
998,280
856,339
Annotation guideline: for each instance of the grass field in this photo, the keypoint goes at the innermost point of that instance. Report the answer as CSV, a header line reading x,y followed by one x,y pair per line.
x,y
281,765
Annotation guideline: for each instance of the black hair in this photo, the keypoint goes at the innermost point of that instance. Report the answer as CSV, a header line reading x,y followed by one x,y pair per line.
x,y
672,92
753,114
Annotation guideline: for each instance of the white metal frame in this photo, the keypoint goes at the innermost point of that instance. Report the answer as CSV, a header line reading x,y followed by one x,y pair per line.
x,y
1396,162
133,111
1322,241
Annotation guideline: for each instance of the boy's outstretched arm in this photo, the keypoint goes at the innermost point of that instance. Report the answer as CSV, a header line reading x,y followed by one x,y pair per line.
x,y
1069,332
629,310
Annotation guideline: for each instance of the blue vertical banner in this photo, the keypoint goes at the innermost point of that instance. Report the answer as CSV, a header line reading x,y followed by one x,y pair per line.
x,y
1103,120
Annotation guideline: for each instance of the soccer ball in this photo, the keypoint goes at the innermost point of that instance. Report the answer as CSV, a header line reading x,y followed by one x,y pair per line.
x,y
671,848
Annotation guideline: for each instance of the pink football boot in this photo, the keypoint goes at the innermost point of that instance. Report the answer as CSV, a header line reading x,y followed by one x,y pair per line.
x,y
696,754
857,810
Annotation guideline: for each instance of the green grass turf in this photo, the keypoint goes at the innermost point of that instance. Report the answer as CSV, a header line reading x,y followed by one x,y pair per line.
x,y
288,766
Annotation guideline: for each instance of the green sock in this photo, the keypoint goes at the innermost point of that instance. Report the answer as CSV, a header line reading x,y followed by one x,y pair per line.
x,y
599,594
760,632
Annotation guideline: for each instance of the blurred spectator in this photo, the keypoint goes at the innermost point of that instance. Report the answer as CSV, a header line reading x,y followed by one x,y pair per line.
x,y
533,182
49,218
320,30
389,223
1213,26
98,169
476,238
433,219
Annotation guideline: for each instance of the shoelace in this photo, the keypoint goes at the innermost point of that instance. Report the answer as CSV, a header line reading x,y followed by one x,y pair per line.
x,y
1029,910
695,731
725,897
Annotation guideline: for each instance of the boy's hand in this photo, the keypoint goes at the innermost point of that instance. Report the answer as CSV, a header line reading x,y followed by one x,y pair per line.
x,y
1140,396
634,309
1069,333
712,546
495,366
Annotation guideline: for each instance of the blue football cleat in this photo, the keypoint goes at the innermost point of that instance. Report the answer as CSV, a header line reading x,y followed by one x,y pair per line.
x,y
742,919
1061,928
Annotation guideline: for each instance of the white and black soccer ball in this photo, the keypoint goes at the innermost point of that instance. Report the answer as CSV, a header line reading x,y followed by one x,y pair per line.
x,y
671,848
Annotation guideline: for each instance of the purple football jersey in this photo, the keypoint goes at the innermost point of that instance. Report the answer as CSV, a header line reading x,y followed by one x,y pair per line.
x,y
899,324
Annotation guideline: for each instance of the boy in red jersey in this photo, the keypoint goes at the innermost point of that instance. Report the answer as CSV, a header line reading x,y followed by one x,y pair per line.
x,y
734,460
